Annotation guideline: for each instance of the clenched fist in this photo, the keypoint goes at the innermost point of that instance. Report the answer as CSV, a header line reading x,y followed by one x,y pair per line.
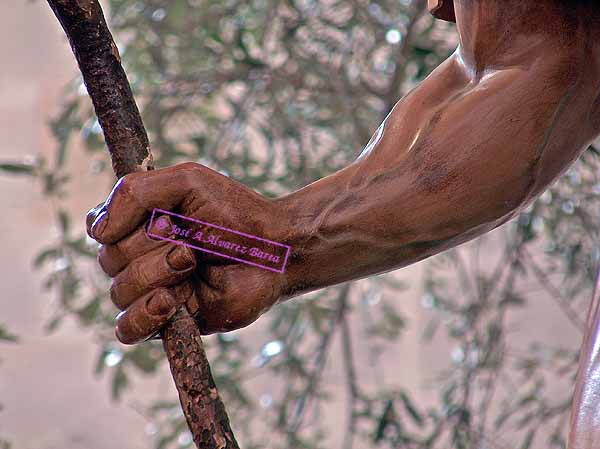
x,y
152,277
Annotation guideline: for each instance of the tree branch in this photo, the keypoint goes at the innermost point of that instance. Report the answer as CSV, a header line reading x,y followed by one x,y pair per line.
x,y
127,141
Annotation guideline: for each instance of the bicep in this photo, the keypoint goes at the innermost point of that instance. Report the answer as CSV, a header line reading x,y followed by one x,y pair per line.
x,y
470,162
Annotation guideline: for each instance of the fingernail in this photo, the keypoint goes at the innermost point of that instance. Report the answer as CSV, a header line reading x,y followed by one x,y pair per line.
x,y
100,224
180,258
99,208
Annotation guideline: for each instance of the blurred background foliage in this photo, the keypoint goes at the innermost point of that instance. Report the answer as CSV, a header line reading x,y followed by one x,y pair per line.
x,y
277,94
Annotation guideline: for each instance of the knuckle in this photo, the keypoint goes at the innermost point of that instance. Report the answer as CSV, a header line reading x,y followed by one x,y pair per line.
x,y
180,260
163,294
101,258
139,272
159,308
113,292
125,182
123,292
125,187
191,166
189,171
105,261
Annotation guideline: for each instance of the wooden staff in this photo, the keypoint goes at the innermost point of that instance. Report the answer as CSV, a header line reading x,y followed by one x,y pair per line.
x,y
127,141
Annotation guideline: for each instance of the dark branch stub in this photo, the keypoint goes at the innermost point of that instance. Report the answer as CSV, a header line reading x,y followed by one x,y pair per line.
x,y
127,141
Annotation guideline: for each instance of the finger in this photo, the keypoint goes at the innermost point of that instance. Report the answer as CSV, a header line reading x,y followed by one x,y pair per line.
x,y
92,214
114,258
136,195
146,316
184,293
163,267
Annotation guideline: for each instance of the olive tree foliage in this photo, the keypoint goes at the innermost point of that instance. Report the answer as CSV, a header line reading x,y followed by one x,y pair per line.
x,y
277,94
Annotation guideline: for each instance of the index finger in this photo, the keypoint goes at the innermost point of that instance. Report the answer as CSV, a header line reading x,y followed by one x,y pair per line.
x,y
135,196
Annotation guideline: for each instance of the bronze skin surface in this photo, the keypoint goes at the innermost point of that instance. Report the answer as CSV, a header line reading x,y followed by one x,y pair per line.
x,y
485,134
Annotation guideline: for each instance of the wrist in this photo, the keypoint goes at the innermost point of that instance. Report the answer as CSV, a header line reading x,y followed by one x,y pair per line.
x,y
315,226
297,230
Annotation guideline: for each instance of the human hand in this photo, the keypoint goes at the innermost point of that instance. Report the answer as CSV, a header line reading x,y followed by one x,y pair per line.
x,y
152,278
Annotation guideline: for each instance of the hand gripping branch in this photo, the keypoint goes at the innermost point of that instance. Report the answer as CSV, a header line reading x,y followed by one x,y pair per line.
x,y
127,141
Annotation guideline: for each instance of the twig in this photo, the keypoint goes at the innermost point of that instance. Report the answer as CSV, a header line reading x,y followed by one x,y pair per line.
x,y
353,393
127,141
314,378
555,293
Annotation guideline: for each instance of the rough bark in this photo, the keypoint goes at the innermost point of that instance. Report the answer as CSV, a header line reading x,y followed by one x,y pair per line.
x,y
127,141
106,82
203,408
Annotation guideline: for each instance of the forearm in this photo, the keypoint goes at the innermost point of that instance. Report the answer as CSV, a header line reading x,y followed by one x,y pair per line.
x,y
377,214
363,220
431,179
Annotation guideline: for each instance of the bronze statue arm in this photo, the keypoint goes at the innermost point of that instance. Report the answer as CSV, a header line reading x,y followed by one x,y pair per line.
x,y
454,159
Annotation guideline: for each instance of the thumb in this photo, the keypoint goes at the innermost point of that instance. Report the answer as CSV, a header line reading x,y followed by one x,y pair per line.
x,y
135,196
